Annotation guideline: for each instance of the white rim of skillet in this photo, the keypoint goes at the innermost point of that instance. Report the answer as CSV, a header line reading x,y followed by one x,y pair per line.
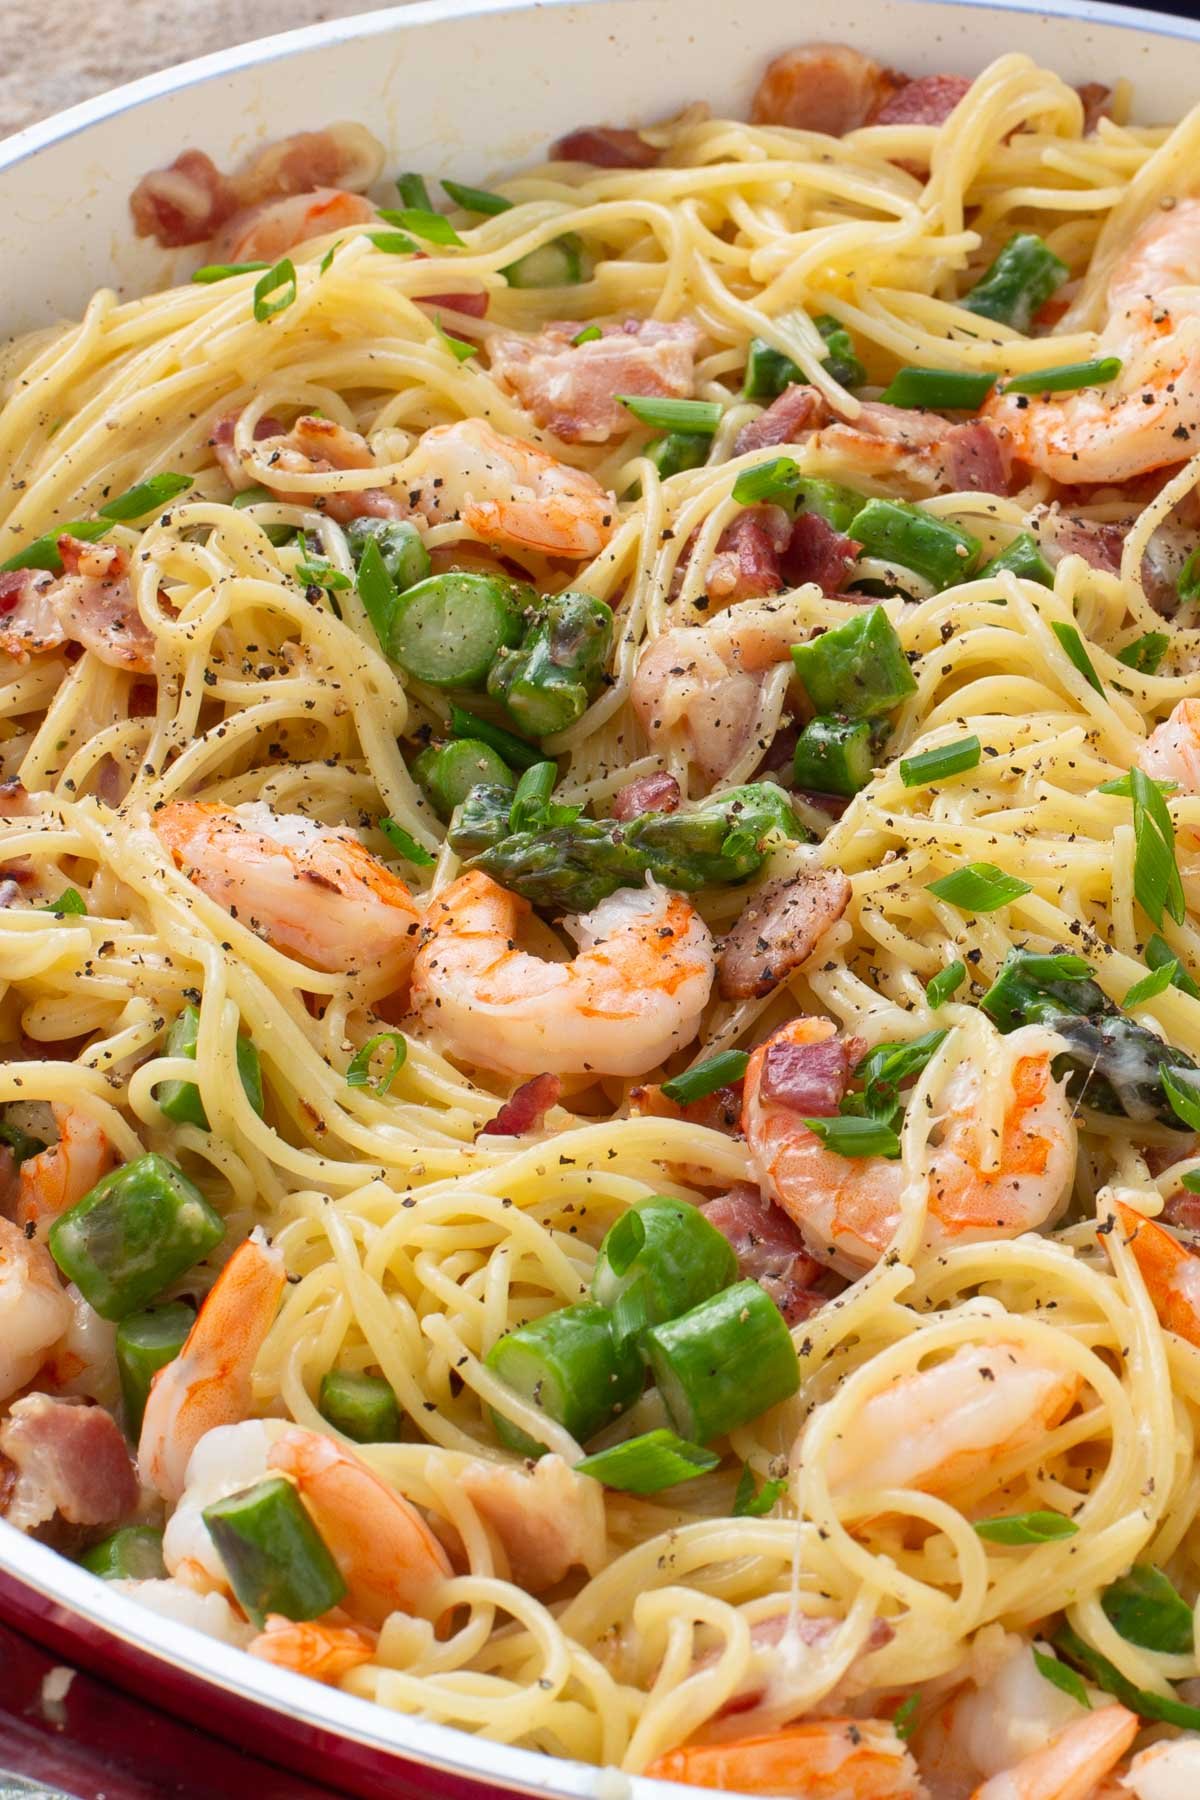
x,y
61,1582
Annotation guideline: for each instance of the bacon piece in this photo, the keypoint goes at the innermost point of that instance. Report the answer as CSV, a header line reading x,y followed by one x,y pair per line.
x,y
90,603
548,1518
1097,104
525,1109
29,621
779,930
71,1460
472,306
976,459
15,800
652,793
766,1633
769,1249
810,1079
605,147
797,411
745,565
182,204
818,553
221,443
1099,542
719,1111
923,446
822,87
313,446
571,390
1182,1211
929,100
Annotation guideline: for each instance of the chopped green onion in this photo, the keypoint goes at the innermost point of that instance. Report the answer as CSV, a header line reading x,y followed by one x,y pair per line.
x,y
1123,785
476,200
145,1343
701,416
776,480
70,902
1036,1527
276,1559
515,751
940,764
327,259
723,1363
134,1553
363,1408
1156,879
723,1070
1021,557
840,505
43,552
461,349
147,496
904,1719
1145,1608
532,793
834,756
412,190
1061,1675
139,1229
1018,284
884,1070
939,390
1188,584
676,451
858,668
393,243
945,984
1191,1181
750,1505
1183,1095
1157,953
1106,1675
359,1073
661,1258
22,1145
1151,985
647,1464
1068,636
979,887
316,572
434,227
849,1135
180,1101
222,271
569,1365
589,335
1146,652
898,532
406,845
561,263
1065,377
281,281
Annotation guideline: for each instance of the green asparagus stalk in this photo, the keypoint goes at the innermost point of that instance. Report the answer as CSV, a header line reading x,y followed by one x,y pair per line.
x,y
548,680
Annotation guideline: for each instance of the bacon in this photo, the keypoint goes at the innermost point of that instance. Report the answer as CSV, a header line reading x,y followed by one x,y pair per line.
x,y
1182,1211
927,101
221,442
191,200
606,147
779,930
16,802
71,1460
810,1079
90,603
571,390
472,306
1099,542
314,446
923,446
745,565
769,1249
818,553
976,458
652,793
1097,104
29,621
719,1111
798,410
766,1633
525,1109
182,204
822,87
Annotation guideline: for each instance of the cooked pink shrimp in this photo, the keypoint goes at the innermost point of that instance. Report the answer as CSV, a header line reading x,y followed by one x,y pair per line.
x,y
1149,417
388,1556
633,993
548,1518
208,1383
1172,751
35,1311
313,891
268,231
1169,1770
1171,1273
320,1651
946,1424
849,1207
47,1184
821,1759
1072,1764
509,491
704,683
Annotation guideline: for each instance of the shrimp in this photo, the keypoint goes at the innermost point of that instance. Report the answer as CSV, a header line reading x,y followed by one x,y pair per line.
x,y
322,1652
633,993
1171,1273
1166,1771
54,1179
822,1759
265,232
225,1459
317,446
210,1613
208,1383
548,1518
35,1311
1149,416
389,1558
1172,751
704,683
945,1425
506,490
849,1207
1072,1763
313,891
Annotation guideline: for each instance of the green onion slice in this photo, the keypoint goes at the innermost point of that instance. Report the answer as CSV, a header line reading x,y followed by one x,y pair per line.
x,y
393,243
940,390
515,751
70,901
147,496
747,1504
1188,584
939,764
316,572
280,282
1156,879
1184,1096
359,1073
1107,1676
432,226
476,200
323,265
724,1070
946,982
406,844
1145,653
222,271
778,479
589,335
847,1135
1066,376
1144,1607
1151,985
1026,1528
979,887
673,415
904,1719
1062,1675
43,552
412,190
1158,952
531,795
461,349
647,1464
1072,643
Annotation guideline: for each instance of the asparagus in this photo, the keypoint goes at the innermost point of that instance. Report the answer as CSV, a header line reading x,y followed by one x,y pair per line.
x,y
547,681
1021,280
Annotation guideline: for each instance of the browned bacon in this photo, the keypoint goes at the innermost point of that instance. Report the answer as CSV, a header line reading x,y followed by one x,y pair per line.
x,y
652,793
71,1460
571,389
182,204
719,1111
778,931
525,1109
798,410
312,446
90,603
822,87
976,458
745,565
1099,542
927,101
810,1079
221,441
1097,104
769,1249
817,552
606,147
